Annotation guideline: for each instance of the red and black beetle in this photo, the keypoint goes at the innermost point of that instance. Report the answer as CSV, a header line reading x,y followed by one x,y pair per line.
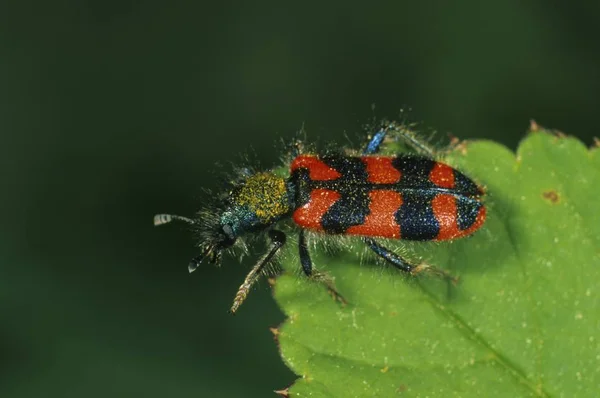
x,y
405,196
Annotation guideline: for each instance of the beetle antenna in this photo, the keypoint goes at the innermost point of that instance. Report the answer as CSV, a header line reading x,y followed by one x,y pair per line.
x,y
161,219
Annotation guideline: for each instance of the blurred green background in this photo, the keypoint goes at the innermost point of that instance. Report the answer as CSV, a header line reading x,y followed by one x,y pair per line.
x,y
111,111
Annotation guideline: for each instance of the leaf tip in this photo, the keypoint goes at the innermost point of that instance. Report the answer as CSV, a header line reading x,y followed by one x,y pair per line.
x,y
283,393
458,145
533,126
274,331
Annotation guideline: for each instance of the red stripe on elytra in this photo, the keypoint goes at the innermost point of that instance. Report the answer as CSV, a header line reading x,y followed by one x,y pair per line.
x,y
318,170
381,170
445,212
442,175
310,214
380,221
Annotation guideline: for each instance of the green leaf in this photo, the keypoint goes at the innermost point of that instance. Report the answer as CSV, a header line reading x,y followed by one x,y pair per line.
x,y
523,321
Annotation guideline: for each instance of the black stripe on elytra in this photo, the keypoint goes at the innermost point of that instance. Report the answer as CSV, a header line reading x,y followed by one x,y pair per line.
x,y
352,169
415,171
416,218
463,185
467,210
351,209
353,206
302,186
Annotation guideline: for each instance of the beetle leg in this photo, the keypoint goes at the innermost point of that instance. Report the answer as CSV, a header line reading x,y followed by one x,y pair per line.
x,y
277,241
375,142
314,275
305,259
409,137
404,265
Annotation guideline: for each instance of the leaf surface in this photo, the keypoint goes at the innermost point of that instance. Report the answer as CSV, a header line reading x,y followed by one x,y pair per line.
x,y
523,321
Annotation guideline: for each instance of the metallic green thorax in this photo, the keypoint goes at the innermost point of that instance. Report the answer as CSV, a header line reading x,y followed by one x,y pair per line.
x,y
260,201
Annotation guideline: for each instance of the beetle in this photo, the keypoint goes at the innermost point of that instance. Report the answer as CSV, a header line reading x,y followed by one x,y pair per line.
x,y
369,195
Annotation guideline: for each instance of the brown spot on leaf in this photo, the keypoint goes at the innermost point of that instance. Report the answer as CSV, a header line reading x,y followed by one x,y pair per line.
x,y
596,143
401,388
551,196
